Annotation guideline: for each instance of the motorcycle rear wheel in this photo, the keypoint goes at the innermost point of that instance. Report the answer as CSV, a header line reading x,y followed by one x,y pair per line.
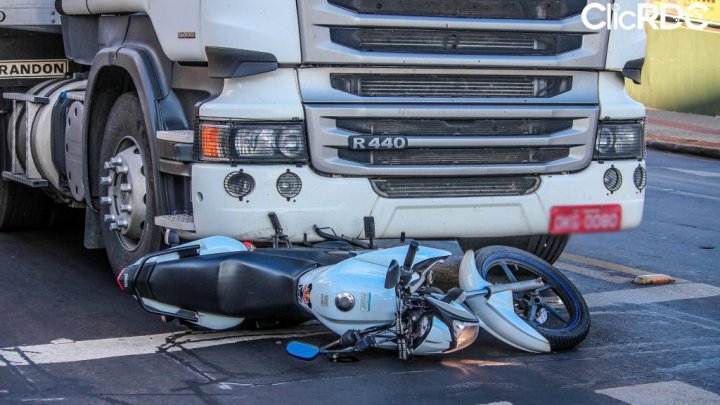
x,y
557,310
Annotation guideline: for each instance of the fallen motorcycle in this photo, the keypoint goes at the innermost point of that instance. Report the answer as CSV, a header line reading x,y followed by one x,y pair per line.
x,y
366,296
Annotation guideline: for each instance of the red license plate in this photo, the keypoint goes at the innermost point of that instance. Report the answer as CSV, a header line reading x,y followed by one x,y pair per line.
x,y
585,219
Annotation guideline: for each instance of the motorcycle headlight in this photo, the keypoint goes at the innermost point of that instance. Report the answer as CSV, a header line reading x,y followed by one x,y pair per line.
x,y
252,142
465,334
620,140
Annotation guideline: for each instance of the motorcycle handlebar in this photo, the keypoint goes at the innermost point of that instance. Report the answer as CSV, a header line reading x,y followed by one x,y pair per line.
x,y
412,250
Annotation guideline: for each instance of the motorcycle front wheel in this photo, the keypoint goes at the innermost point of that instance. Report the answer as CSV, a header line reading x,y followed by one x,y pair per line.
x,y
557,310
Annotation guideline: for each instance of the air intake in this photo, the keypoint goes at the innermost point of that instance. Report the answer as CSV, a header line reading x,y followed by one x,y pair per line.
x,y
500,9
455,187
455,42
450,86
454,127
468,156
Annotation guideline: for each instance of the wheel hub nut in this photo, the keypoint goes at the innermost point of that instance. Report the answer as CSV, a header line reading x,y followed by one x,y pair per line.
x,y
113,162
126,193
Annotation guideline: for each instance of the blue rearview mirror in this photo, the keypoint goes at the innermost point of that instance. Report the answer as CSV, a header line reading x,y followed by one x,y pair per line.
x,y
302,351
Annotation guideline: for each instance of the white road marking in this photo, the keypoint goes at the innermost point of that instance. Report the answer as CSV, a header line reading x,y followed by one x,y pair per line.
x,y
600,275
649,295
701,173
662,393
685,193
139,345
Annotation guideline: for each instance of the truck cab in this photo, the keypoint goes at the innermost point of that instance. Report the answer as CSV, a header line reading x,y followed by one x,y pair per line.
x,y
484,121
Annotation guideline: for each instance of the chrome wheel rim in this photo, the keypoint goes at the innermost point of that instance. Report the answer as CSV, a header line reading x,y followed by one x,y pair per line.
x,y
126,196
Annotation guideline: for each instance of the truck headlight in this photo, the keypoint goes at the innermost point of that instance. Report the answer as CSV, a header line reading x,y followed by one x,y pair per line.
x,y
252,142
620,140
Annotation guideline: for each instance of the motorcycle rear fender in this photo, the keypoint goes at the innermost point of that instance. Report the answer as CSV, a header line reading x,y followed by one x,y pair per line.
x,y
207,246
497,314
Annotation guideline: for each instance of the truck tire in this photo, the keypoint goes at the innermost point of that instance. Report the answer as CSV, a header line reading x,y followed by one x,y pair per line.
x,y
546,247
128,203
21,207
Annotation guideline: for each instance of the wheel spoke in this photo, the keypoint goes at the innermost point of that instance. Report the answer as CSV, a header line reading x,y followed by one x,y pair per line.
x,y
543,288
555,313
509,274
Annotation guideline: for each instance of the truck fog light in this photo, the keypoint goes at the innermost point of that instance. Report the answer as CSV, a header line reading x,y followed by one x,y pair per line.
x,y
640,178
289,185
612,179
239,184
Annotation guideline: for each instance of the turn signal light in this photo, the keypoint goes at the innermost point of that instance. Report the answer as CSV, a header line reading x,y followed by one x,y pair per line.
x,y
211,141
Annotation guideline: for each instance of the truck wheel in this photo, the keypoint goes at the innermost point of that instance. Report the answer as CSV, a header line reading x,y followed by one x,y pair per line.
x,y
21,207
547,247
127,186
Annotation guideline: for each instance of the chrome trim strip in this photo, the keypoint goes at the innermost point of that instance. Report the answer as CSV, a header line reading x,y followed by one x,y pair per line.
x,y
326,139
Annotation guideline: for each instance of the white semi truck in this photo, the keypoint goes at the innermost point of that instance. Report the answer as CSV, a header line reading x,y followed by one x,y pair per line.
x,y
485,121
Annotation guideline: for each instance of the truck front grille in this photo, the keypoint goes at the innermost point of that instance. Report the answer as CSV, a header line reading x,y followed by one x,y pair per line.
x,y
466,156
456,42
442,140
455,187
470,33
454,127
451,86
500,9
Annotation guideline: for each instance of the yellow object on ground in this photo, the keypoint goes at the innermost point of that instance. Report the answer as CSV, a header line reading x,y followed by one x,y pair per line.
x,y
653,279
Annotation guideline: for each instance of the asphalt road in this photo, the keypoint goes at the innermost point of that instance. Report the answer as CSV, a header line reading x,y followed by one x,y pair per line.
x,y
68,335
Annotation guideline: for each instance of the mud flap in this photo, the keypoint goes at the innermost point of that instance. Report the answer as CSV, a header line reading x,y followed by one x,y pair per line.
x,y
497,315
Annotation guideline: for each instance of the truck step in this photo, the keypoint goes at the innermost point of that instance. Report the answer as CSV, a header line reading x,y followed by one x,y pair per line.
x,y
179,136
22,179
178,222
26,97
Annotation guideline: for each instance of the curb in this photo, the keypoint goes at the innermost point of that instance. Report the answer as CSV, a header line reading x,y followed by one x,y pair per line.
x,y
704,151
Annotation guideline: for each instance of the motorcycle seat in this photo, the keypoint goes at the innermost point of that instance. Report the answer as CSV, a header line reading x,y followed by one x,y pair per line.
x,y
258,284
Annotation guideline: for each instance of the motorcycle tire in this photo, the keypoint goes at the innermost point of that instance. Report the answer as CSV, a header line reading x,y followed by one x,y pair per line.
x,y
557,310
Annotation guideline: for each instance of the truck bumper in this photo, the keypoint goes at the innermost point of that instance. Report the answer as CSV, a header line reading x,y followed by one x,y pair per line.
x,y
341,203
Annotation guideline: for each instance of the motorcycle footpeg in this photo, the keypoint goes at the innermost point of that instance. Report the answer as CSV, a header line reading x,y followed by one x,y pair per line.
x,y
365,343
350,337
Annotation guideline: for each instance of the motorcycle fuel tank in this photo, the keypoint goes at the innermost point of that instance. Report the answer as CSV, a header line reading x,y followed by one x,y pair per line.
x,y
352,294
